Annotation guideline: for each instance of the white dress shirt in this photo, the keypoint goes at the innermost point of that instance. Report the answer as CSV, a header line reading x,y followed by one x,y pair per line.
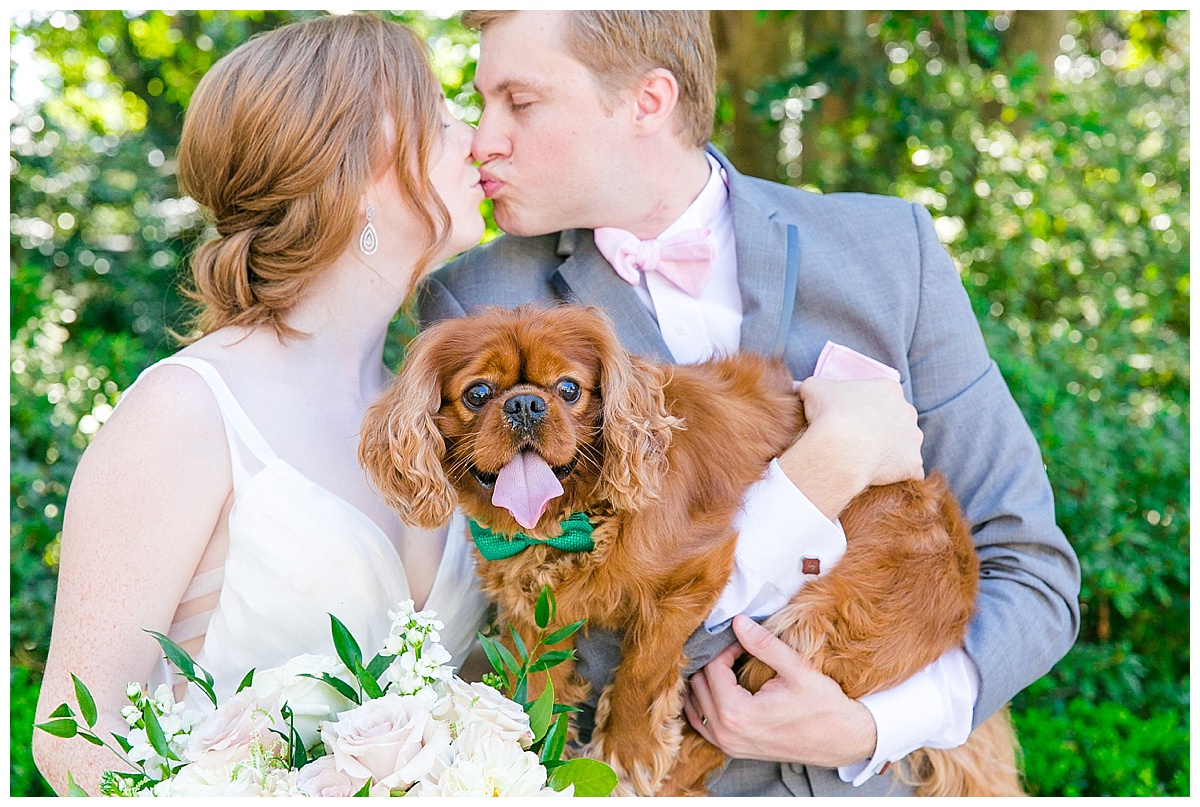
x,y
778,527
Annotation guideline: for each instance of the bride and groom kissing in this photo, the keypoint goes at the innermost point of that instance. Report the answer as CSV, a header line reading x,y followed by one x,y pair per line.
x,y
590,146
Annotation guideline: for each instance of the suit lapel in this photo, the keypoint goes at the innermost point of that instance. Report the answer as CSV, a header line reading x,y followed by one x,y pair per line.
x,y
585,278
768,259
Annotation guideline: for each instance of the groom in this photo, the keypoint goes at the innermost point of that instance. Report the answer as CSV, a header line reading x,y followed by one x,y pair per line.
x,y
591,144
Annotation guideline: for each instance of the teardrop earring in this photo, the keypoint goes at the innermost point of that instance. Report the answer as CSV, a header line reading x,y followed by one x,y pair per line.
x,y
368,240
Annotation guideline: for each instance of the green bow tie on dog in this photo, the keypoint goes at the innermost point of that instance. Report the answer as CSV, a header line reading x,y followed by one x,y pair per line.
x,y
576,537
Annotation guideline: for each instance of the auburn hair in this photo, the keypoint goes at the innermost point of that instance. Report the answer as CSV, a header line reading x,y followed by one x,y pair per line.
x,y
280,140
619,47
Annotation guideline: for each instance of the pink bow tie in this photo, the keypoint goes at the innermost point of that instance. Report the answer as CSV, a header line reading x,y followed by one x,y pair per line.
x,y
684,259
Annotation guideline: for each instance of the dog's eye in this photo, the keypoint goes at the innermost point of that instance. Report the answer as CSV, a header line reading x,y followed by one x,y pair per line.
x,y
477,395
568,390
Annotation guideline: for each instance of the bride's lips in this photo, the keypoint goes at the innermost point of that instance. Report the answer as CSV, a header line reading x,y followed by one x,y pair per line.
x,y
490,185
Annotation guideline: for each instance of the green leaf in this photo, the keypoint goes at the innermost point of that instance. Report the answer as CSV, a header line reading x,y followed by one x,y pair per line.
x,y
519,644
64,727
248,681
368,682
378,665
126,746
493,656
154,732
365,790
556,740
175,654
590,777
541,711
187,667
87,704
91,738
560,708
74,789
564,632
62,711
343,642
546,608
551,659
508,658
341,686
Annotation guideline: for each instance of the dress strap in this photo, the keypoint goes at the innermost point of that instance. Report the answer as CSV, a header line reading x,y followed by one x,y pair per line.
x,y
237,423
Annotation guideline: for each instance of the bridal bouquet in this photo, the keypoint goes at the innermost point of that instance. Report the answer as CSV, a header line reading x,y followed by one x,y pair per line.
x,y
400,724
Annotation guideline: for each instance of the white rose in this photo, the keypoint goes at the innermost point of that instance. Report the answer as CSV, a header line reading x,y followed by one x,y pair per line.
x,y
312,702
226,734
216,779
475,703
322,778
485,764
393,740
281,784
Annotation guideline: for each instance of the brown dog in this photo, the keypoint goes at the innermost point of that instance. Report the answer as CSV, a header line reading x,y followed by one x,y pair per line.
x,y
524,417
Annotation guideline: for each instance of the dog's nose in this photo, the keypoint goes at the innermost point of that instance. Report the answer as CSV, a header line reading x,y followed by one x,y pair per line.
x,y
525,410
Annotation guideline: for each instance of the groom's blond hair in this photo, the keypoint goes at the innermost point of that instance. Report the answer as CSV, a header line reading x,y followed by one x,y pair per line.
x,y
619,47
281,139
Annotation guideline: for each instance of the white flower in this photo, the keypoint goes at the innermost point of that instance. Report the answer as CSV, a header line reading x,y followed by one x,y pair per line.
x,y
413,670
216,779
281,783
393,739
312,701
411,629
226,735
133,691
468,704
485,764
321,777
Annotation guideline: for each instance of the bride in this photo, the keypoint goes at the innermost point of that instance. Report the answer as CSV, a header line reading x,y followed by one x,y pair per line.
x,y
223,504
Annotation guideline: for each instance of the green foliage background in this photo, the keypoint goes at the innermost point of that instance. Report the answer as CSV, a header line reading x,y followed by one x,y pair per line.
x,y
1063,196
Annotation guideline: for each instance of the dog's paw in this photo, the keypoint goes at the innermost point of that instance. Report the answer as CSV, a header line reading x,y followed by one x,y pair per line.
x,y
634,777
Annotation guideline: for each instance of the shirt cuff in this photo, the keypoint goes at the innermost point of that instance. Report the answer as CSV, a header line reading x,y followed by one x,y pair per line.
x,y
783,541
933,709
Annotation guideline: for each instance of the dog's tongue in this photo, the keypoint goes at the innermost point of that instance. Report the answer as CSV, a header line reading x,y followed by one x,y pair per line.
x,y
524,486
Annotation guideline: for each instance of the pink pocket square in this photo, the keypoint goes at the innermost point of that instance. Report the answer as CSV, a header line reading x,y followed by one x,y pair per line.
x,y
840,363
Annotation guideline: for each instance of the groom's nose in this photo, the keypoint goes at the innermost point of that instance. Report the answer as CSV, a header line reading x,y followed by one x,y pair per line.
x,y
489,142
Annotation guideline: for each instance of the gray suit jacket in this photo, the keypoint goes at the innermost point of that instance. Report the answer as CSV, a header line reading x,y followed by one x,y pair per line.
x,y
867,272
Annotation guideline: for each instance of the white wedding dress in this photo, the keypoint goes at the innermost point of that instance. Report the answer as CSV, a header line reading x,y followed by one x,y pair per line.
x,y
297,553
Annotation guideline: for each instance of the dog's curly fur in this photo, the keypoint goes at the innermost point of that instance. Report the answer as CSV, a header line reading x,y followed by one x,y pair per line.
x,y
659,457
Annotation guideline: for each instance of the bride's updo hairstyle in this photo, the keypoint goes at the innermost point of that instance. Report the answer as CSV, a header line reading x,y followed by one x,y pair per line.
x,y
281,139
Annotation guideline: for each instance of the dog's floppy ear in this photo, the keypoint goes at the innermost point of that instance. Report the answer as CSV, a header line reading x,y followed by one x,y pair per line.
x,y
637,426
401,447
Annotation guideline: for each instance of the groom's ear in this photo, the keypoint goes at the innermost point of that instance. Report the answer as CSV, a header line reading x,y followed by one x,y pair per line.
x,y
655,97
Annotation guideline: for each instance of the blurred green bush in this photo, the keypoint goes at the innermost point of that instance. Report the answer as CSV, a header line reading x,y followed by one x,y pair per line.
x,y
1063,195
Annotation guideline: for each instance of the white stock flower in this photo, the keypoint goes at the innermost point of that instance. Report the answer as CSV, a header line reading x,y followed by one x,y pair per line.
x,y
468,704
394,740
312,701
486,764
412,671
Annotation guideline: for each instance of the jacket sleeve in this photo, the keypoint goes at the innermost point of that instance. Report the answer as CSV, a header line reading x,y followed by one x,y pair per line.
x,y
1028,607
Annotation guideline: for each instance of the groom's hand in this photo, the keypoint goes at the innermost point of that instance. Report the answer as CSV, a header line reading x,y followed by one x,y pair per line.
x,y
860,433
799,716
